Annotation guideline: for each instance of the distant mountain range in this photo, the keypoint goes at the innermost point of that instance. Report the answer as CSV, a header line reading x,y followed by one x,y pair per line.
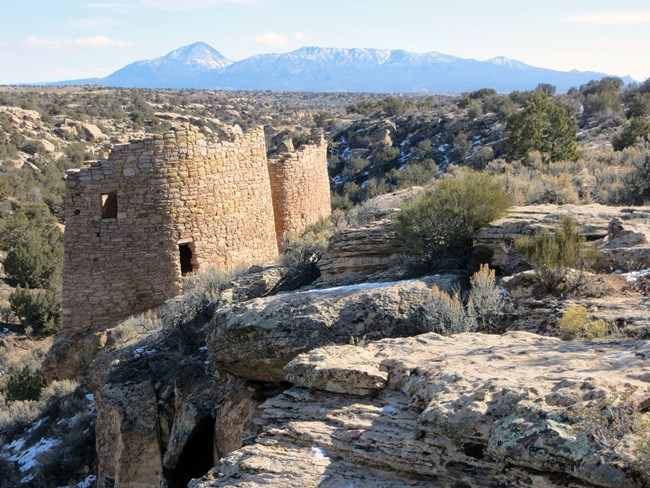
x,y
346,70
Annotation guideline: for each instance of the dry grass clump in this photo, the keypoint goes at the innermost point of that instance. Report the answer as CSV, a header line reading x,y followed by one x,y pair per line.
x,y
609,420
575,323
559,257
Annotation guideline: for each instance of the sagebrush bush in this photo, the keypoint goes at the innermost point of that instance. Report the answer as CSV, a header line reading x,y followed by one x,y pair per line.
x,y
447,314
438,226
637,180
484,311
308,246
486,304
575,323
553,256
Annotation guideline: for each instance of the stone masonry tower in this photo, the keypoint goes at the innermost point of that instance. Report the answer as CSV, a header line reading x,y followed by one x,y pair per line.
x,y
158,209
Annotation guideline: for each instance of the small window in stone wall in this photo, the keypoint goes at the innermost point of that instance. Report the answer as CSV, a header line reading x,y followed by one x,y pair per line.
x,y
185,255
109,205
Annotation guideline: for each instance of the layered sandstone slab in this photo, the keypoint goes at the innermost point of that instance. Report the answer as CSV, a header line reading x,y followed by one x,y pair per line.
x,y
469,410
256,339
621,234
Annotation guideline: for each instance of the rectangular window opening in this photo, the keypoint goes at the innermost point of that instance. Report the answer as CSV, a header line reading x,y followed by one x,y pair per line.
x,y
109,205
185,255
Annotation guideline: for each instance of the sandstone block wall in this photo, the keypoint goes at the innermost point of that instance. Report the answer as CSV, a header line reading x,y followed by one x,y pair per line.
x,y
300,187
214,198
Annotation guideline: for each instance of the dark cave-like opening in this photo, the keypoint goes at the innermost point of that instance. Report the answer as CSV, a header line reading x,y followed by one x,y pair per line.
x,y
196,458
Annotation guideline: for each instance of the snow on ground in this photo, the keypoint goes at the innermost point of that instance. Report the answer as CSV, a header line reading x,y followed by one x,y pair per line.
x,y
87,482
318,452
27,459
360,286
632,276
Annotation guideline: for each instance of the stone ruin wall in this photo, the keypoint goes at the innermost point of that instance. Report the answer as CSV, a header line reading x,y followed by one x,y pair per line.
x,y
300,187
172,189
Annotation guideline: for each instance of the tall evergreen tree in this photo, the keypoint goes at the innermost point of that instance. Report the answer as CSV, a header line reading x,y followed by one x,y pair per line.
x,y
545,127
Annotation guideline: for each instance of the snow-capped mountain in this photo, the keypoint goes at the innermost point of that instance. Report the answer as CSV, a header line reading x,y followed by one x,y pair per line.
x,y
335,69
177,69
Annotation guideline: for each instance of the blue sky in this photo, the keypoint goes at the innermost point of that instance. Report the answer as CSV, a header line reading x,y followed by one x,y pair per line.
x,y
46,40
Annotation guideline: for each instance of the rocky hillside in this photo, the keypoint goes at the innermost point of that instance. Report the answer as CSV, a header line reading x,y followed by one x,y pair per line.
x,y
351,364
238,384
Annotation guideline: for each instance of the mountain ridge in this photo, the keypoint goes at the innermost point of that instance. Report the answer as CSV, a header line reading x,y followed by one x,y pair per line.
x,y
312,68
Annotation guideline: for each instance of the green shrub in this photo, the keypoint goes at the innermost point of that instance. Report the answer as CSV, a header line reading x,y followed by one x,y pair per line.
x,y
438,226
545,127
34,246
553,256
575,323
25,385
636,130
38,309
636,183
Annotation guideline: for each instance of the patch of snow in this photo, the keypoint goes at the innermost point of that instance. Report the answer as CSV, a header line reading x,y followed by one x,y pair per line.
x,y
141,351
443,147
27,479
16,445
389,409
27,459
620,355
207,363
318,452
90,397
4,332
360,286
632,276
87,482
203,348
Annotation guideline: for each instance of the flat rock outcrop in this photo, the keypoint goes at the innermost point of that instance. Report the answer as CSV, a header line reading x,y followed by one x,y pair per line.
x,y
622,234
256,339
469,410
369,246
360,250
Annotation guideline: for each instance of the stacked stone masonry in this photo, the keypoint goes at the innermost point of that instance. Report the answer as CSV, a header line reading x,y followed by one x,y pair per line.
x,y
132,219
300,187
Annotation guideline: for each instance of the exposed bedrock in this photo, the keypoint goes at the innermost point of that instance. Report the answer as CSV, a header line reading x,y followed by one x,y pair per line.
x,y
256,339
470,410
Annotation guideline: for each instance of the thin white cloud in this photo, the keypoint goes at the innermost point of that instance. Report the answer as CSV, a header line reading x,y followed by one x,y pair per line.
x,y
616,43
94,24
300,37
191,4
36,43
610,18
116,7
272,39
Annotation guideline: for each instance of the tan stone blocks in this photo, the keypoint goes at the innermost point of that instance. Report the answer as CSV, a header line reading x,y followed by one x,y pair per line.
x,y
223,198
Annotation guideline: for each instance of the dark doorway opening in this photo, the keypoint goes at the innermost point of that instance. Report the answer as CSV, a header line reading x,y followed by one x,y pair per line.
x,y
185,254
196,459
109,205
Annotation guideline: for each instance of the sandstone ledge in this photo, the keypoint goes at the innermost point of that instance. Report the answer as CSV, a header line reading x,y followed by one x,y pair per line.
x,y
479,410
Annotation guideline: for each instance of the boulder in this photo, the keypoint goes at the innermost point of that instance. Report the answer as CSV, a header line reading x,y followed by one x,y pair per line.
x,y
623,244
256,339
92,133
469,410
